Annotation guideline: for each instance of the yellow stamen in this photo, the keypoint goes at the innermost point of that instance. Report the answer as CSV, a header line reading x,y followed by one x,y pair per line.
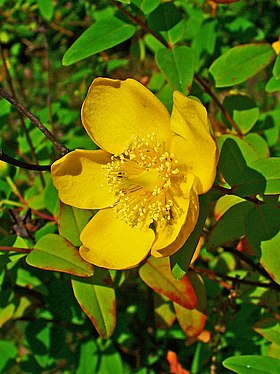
x,y
142,178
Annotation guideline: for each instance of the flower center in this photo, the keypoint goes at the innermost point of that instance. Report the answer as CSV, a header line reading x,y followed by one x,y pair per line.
x,y
144,179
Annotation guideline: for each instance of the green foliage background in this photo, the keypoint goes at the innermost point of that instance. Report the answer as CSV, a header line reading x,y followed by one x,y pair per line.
x,y
218,50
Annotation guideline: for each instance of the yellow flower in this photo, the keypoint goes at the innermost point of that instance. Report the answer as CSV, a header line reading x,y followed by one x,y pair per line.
x,y
146,177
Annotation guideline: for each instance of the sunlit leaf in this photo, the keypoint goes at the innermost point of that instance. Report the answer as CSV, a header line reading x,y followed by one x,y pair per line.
x,y
252,364
46,8
104,34
240,63
52,252
96,297
156,274
71,222
177,65
164,312
269,328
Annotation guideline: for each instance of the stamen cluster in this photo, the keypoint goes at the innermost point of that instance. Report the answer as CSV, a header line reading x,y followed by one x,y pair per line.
x,y
143,179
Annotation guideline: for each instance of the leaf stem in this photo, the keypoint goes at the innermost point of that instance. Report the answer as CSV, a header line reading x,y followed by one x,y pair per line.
x,y
6,248
34,120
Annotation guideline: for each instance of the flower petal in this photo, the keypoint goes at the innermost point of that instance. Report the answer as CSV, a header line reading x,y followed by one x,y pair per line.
x,y
194,146
111,243
115,111
167,232
186,229
80,179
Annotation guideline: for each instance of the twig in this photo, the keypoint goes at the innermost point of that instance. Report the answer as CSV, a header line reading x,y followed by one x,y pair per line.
x,y
142,24
34,120
230,191
24,129
12,161
212,275
208,89
6,248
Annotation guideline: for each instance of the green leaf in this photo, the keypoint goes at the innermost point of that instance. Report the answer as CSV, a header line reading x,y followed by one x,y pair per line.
x,y
8,352
46,8
231,226
180,261
276,68
104,34
177,65
240,63
258,144
243,110
156,274
248,364
167,20
273,85
88,360
269,328
262,225
96,297
71,222
52,252
261,176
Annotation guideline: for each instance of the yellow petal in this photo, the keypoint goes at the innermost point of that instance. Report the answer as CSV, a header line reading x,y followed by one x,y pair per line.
x,y
115,111
186,229
171,231
80,179
193,145
111,243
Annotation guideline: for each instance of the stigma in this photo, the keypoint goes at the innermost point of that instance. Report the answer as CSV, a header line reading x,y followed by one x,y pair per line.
x,y
144,179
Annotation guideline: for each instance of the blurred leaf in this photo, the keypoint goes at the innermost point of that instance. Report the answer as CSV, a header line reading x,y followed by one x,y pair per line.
x,y
156,274
269,328
96,297
177,65
8,352
104,34
243,110
164,312
262,225
192,321
46,8
71,222
52,252
273,85
88,360
252,364
276,68
240,63
180,261
231,226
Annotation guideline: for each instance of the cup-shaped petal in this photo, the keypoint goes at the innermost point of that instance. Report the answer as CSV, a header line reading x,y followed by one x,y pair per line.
x,y
80,179
115,111
193,144
111,243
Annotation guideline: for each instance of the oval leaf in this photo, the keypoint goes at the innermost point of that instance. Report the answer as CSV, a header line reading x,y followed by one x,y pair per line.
x,y
240,63
192,322
177,65
52,252
104,34
71,222
156,274
248,364
46,8
96,297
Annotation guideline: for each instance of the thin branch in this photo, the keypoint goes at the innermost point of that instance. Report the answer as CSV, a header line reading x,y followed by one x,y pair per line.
x,y
208,90
24,129
250,262
142,24
12,161
213,275
34,120
5,248
230,191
